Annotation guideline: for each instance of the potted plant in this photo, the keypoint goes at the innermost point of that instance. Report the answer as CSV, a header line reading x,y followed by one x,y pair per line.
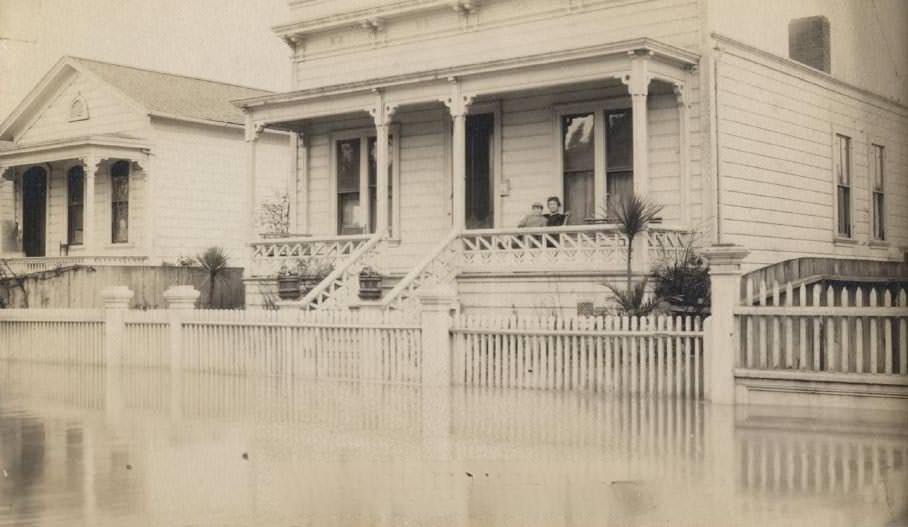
x,y
369,284
288,284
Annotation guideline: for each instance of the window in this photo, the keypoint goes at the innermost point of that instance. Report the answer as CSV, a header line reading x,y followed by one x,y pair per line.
x,y
842,170
355,171
579,164
619,155
877,189
348,180
75,191
119,202
808,42
597,155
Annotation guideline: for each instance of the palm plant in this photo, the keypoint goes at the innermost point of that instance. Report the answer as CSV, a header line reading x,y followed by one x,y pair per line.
x,y
633,214
634,302
214,261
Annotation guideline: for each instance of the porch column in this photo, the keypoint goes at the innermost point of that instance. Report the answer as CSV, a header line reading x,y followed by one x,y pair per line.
x,y
684,152
637,81
293,183
459,106
89,224
382,113
253,131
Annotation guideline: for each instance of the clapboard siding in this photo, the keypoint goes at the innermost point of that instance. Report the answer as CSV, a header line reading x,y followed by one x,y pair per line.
x,y
200,188
415,43
776,125
108,113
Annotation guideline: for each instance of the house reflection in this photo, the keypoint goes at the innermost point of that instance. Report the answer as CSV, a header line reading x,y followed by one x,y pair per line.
x,y
244,450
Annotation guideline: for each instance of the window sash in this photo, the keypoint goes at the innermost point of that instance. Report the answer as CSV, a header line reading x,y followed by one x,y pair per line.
x,y
75,190
119,202
844,210
877,194
842,170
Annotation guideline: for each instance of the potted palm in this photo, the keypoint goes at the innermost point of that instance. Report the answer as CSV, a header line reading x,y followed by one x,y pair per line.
x,y
369,284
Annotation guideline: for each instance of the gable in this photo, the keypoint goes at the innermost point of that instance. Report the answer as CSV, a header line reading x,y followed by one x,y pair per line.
x,y
77,105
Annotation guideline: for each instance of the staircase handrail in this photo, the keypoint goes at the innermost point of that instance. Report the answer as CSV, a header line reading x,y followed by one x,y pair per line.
x,y
414,274
319,291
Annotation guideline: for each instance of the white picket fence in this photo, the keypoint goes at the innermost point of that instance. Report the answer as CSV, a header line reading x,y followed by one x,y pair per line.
x,y
61,336
374,346
660,355
846,329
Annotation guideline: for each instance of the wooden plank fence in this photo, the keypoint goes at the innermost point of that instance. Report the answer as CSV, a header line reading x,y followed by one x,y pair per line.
x,y
70,336
846,329
659,355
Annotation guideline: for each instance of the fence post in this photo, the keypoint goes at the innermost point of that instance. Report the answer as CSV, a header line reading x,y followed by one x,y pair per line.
x,y
116,302
179,299
435,321
719,341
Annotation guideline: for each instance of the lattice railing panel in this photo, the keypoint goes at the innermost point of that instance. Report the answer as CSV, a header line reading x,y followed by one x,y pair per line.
x,y
269,256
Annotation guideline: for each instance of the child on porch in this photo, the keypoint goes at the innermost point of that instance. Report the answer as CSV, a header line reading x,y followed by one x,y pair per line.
x,y
534,218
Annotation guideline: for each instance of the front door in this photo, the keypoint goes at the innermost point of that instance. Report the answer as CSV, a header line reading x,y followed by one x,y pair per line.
x,y
34,211
479,175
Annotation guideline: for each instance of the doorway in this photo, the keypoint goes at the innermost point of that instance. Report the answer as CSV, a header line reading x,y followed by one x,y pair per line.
x,y
34,211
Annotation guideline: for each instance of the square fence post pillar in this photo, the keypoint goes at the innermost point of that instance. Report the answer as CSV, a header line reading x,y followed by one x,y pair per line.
x,y
116,301
719,337
435,321
179,299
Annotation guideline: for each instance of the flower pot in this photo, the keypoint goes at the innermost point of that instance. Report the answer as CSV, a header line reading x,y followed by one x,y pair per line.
x,y
288,287
370,286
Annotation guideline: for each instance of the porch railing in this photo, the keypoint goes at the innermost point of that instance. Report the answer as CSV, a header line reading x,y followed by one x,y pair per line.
x,y
577,247
269,256
26,265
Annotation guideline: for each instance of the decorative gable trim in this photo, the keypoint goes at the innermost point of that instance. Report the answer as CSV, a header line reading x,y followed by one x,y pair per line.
x,y
78,109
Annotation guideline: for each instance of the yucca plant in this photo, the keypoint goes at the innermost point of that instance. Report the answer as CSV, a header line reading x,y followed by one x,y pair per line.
x,y
632,214
633,301
214,261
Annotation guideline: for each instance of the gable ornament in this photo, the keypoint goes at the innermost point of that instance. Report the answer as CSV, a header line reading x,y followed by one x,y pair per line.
x,y
78,108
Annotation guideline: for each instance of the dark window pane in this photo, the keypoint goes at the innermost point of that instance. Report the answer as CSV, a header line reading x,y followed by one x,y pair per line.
x,y
844,203
879,217
119,217
348,165
619,140
577,142
75,189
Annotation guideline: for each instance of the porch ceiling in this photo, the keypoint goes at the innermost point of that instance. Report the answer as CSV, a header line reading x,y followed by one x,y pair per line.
x,y
580,65
108,146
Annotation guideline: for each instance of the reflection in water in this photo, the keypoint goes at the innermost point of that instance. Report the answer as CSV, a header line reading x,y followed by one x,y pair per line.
x,y
81,446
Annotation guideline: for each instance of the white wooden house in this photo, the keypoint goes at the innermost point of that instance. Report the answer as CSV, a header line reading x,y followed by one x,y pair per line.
x,y
425,129
109,165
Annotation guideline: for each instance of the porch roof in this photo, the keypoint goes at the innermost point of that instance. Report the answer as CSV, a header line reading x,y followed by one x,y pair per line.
x,y
539,70
105,146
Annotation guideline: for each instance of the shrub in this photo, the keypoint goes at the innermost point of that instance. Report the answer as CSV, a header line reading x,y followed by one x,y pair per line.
x,y
683,282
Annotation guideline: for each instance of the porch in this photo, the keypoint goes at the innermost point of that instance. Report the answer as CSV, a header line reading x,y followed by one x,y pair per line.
x,y
401,175
77,201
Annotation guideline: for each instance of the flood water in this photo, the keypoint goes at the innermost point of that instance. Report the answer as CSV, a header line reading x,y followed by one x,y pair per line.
x,y
82,446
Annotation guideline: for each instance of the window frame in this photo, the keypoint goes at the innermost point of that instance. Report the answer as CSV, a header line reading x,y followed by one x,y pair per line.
x,y
853,137
110,179
598,108
69,204
365,134
872,144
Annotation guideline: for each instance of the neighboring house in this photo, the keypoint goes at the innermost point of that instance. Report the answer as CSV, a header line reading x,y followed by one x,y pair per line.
x,y
425,129
109,165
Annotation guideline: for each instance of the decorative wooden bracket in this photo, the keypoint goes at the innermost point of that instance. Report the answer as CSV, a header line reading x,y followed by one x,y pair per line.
x,y
468,11
458,103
